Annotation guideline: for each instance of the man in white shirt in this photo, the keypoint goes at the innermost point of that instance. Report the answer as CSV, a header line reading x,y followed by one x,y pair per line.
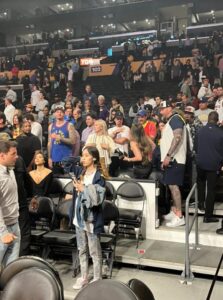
x,y
205,89
203,111
36,127
35,96
10,93
219,104
120,133
40,106
9,109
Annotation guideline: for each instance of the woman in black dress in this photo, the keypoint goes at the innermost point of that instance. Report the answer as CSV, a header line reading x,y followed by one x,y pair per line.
x,y
41,177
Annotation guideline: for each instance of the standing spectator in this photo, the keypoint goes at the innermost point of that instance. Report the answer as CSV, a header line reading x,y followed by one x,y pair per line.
x,y
209,149
90,119
28,144
220,67
173,145
4,130
9,207
70,78
162,70
36,127
127,75
203,111
60,141
89,94
185,88
219,104
205,89
79,122
148,125
45,124
10,93
151,72
16,126
35,96
92,185
9,110
40,106
15,74
103,142
176,70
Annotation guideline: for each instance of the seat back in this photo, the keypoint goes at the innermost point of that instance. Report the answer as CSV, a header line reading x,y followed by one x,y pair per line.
x,y
32,283
26,262
64,208
56,189
130,191
110,212
45,212
110,192
106,289
140,289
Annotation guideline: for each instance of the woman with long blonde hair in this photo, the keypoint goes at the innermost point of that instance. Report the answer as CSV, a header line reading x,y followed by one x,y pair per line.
x,y
103,142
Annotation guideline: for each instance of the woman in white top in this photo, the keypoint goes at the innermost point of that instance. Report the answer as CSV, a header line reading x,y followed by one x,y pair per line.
x,y
103,142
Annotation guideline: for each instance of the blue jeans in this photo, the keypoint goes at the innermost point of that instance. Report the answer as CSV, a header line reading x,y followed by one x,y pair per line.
x,y
89,243
9,252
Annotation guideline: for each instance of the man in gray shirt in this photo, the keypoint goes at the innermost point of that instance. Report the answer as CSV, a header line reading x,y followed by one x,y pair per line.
x,y
9,207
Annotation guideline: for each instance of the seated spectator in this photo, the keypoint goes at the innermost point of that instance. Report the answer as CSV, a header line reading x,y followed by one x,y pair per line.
x,y
16,126
29,109
140,152
103,112
203,111
41,177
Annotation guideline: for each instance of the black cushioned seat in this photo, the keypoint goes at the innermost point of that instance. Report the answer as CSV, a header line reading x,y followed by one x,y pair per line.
x,y
32,283
140,289
58,236
129,214
107,289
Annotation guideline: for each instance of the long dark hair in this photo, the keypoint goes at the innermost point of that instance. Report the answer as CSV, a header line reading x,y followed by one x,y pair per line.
x,y
139,136
93,151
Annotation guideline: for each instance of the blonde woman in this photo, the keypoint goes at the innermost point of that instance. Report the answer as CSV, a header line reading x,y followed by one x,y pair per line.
x,y
103,142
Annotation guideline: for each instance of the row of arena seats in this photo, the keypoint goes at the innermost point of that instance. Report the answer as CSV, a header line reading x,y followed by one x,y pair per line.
x,y
30,277
122,212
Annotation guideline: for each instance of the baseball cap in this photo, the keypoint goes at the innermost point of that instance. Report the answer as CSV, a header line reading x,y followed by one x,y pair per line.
x,y
119,114
59,107
165,104
142,113
189,109
203,100
148,107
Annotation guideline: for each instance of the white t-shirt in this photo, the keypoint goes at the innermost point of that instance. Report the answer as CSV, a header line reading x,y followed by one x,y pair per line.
x,y
37,130
9,113
35,97
125,133
89,227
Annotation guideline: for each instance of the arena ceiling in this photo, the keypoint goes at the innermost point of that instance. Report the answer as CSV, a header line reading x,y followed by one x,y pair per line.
x,y
21,16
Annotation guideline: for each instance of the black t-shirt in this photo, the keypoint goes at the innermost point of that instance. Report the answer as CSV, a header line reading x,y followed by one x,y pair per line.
x,y
27,145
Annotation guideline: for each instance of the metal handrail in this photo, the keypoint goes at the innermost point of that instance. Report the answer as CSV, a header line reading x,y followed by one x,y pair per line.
x,y
187,274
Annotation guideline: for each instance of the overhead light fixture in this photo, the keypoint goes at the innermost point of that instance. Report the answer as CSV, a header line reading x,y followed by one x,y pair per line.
x,y
5,13
212,11
71,7
67,4
147,20
134,22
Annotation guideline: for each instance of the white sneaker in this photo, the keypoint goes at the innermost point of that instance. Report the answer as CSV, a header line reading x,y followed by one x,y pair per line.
x,y
80,283
176,221
169,216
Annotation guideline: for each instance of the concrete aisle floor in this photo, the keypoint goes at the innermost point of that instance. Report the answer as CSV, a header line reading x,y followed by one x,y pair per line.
x,y
163,285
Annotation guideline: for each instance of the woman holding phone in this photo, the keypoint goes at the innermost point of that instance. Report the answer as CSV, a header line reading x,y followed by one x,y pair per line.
x,y
88,220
